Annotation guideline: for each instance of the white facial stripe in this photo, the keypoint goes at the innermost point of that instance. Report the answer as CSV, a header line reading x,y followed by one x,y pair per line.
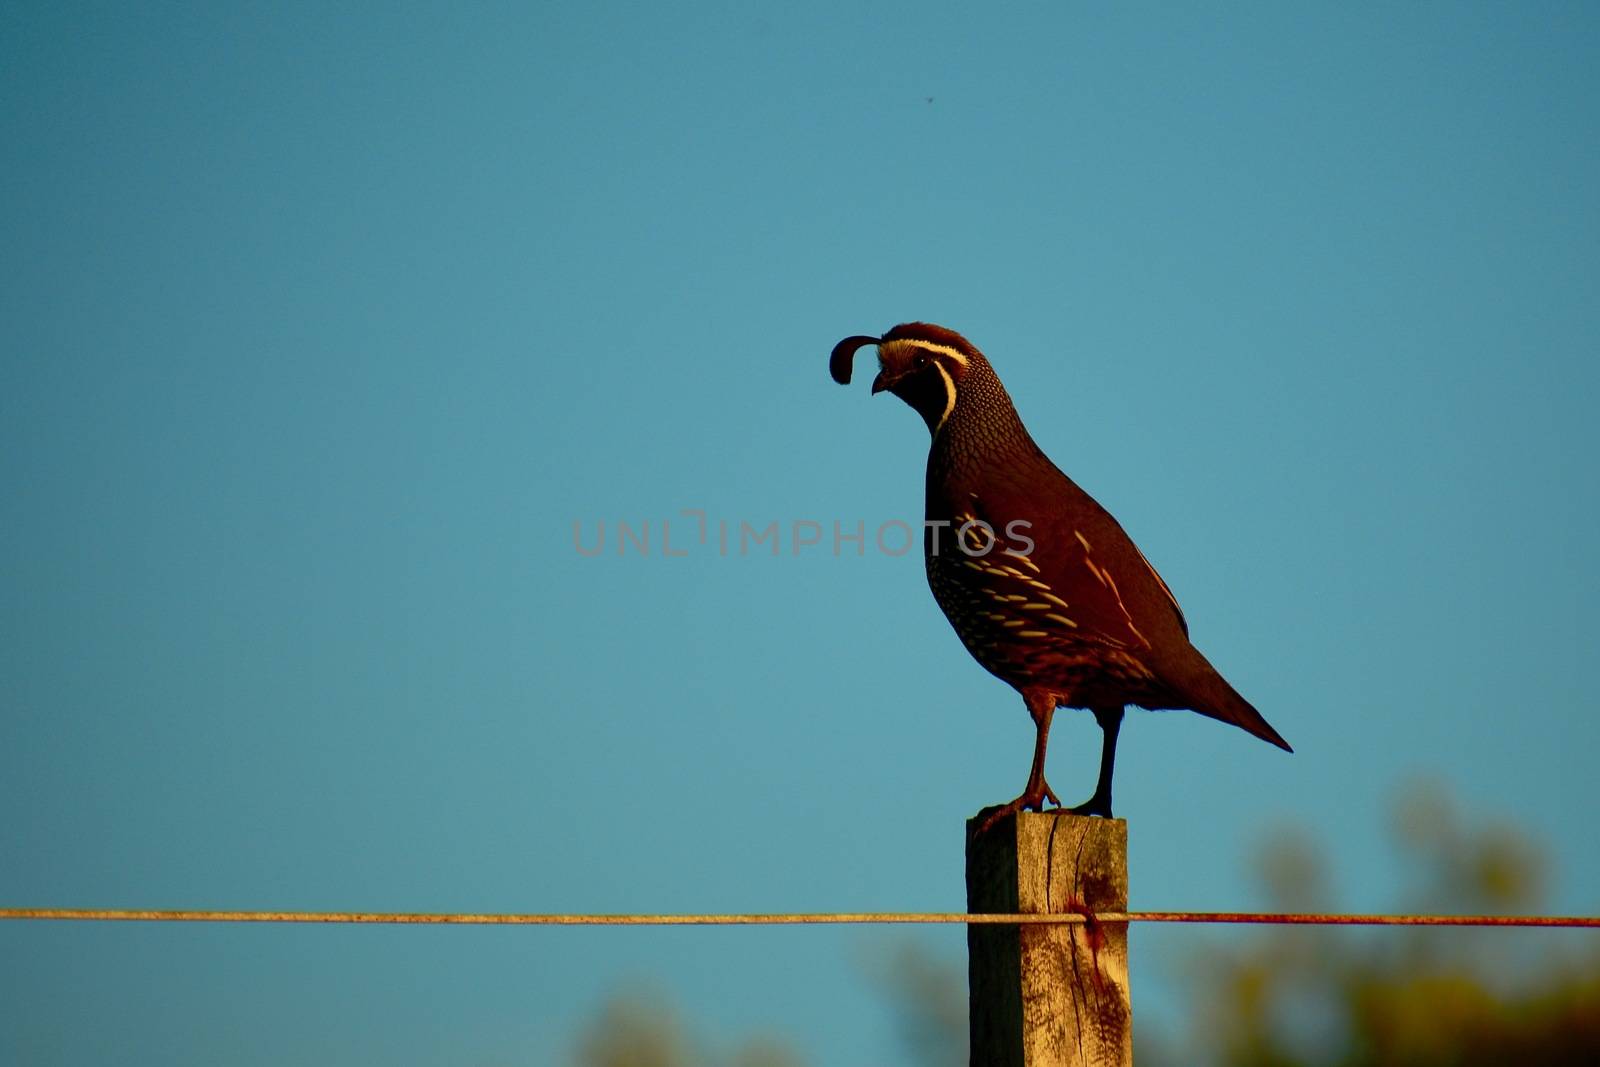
x,y
949,394
955,354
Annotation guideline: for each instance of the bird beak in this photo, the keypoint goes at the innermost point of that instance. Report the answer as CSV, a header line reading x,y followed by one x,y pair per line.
x,y
883,381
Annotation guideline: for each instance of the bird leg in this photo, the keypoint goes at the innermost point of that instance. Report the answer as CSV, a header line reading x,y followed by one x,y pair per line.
x,y
1037,791
1110,720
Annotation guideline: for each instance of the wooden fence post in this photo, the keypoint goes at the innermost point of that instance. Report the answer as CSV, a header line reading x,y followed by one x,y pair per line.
x,y
1049,995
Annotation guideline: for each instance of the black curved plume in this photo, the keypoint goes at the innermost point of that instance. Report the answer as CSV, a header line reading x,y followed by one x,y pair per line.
x,y
844,354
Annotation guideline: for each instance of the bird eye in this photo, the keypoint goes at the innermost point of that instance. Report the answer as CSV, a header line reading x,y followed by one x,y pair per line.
x,y
921,359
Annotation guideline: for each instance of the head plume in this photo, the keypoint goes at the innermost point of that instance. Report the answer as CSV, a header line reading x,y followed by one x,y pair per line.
x,y
839,363
844,354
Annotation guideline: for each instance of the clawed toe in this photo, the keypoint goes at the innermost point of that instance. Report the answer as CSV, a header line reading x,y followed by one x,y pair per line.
x,y
1095,805
1031,800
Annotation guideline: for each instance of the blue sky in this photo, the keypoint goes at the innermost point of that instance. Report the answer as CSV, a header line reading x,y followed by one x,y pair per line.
x,y
321,328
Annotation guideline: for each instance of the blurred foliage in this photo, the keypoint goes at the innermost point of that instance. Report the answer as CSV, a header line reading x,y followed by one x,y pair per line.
x,y
1343,997
633,1030
1285,996
928,997
640,1029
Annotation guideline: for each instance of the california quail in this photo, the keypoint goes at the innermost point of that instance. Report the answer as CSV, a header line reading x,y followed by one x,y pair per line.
x,y
1041,584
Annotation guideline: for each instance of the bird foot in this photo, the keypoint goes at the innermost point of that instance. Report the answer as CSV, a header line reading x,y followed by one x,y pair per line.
x,y
1095,805
1032,799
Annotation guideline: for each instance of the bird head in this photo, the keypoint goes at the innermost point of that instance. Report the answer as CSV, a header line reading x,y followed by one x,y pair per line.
x,y
918,362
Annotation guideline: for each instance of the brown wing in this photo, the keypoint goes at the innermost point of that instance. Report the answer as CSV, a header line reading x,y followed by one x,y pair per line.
x,y
1083,556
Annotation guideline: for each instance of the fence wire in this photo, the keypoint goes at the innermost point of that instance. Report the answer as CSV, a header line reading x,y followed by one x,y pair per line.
x,y
787,919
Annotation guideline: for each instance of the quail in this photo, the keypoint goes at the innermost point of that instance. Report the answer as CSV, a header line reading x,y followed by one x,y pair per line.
x,y
1043,587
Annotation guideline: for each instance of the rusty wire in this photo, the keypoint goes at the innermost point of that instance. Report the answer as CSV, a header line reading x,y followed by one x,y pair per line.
x,y
794,919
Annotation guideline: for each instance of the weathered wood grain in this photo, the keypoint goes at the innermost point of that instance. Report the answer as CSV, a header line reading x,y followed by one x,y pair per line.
x,y
1049,995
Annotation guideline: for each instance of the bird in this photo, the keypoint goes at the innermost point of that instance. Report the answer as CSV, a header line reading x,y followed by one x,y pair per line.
x,y
1041,584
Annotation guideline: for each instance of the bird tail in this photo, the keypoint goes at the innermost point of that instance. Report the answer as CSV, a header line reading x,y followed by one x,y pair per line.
x,y
1213,697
